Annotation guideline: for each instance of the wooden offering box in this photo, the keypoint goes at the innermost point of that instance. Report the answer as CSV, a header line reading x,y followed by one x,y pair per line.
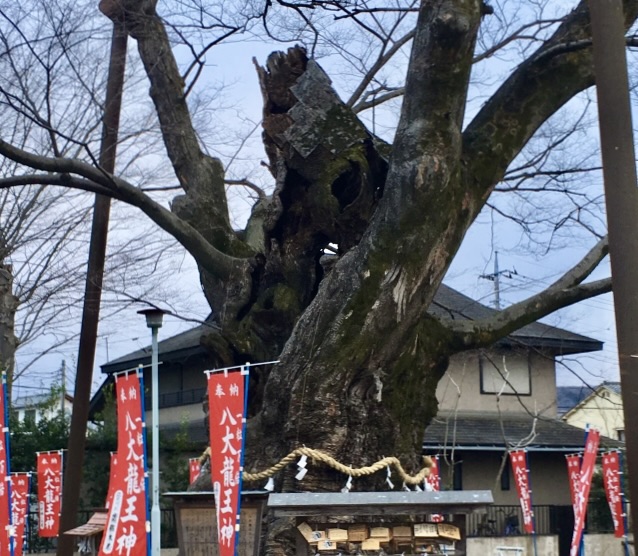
x,y
361,523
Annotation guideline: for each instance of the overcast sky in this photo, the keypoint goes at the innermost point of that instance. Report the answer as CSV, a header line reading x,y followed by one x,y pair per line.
x,y
232,64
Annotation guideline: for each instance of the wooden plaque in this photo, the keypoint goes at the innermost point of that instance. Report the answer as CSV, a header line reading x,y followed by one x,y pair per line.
x,y
197,529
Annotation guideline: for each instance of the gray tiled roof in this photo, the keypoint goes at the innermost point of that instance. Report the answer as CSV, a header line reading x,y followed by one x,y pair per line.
x,y
570,396
613,386
447,303
491,432
453,304
170,348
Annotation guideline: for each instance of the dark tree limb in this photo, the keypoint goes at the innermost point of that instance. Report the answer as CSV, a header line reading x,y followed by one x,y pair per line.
x,y
204,204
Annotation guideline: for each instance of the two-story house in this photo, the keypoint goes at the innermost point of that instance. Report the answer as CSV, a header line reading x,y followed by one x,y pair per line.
x,y
42,406
602,408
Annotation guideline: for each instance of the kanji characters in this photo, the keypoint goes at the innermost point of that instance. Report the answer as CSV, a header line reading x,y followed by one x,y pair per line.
x,y
126,533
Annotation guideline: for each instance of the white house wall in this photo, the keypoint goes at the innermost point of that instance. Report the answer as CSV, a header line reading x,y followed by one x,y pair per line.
x,y
603,411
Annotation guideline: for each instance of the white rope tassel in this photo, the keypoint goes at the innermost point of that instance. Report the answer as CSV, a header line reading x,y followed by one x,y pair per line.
x,y
301,467
348,484
388,480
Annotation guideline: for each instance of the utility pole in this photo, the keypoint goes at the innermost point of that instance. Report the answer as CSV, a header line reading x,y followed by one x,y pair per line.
x,y
495,277
621,199
62,387
497,283
92,297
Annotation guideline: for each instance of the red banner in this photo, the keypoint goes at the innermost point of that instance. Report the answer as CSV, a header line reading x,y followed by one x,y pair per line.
x,y
49,466
573,472
433,480
194,469
584,485
127,522
521,478
112,480
20,487
5,500
613,490
226,418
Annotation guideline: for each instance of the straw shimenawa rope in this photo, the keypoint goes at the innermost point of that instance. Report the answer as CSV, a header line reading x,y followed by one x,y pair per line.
x,y
326,459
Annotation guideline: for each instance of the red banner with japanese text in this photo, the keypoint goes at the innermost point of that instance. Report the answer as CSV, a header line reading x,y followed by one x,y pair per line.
x,y
49,471
20,488
613,491
127,525
521,478
6,540
194,469
226,399
584,486
573,473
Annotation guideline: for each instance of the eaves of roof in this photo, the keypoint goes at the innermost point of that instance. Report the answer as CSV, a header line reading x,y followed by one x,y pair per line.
x,y
481,432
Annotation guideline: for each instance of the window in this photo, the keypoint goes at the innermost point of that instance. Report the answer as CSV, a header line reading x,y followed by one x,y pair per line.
x,y
505,374
620,434
29,415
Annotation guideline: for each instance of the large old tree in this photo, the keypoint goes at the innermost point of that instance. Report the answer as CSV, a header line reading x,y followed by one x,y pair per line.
x,y
336,268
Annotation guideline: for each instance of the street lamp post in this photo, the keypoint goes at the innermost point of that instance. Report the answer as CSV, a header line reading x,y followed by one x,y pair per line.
x,y
154,319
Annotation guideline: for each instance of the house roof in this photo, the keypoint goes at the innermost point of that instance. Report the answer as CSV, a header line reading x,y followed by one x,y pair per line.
x,y
28,402
613,386
447,303
591,392
568,397
490,432
176,347
453,304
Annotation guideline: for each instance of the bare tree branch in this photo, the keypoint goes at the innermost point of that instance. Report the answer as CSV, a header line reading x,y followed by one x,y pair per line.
x,y
568,289
521,105
216,262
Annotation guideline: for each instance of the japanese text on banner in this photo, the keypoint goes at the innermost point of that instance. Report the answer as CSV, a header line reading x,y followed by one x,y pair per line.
x,y
125,533
226,416
20,487
573,473
49,466
521,478
613,491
